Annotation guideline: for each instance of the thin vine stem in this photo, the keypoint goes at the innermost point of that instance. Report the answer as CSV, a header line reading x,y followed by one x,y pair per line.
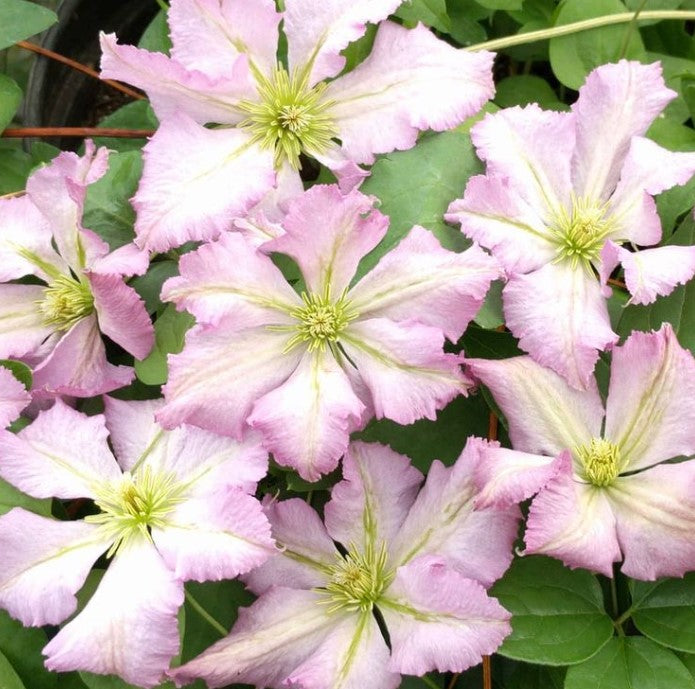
x,y
24,132
206,615
629,30
79,67
577,27
430,682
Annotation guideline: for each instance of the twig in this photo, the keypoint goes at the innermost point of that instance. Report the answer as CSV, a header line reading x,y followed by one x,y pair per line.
x,y
79,67
21,132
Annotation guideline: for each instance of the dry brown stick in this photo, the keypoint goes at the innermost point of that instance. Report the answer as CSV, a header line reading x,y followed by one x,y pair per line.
x,y
21,132
79,67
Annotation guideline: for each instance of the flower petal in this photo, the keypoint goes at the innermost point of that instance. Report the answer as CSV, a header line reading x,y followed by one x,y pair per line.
x,y
411,81
445,522
531,147
651,273
655,513
629,96
494,214
306,549
215,537
45,562
317,33
306,422
650,412
171,88
121,314
368,507
560,318
128,259
207,35
270,639
353,655
26,235
327,235
78,366
404,367
22,330
13,397
573,521
219,375
230,278
648,170
440,620
544,414
128,627
195,181
420,280
63,453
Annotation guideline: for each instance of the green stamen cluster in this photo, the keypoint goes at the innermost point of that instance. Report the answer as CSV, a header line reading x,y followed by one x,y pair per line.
x,y
601,460
65,301
136,504
291,116
581,231
358,580
320,320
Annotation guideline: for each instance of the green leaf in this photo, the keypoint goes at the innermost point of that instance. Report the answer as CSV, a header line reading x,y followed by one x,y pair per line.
x,y
20,19
491,315
630,663
170,330
429,12
558,616
19,370
573,57
523,89
136,115
107,209
10,98
22,647
93,681
464,27
415,187
149,285
665,611
156,36
501,4
517,675
678,308
9,679
11,497
16,163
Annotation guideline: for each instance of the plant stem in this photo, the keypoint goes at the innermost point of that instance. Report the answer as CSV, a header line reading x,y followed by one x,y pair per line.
x,y
22,132
430,682
629,30
487,672
206,615
576,27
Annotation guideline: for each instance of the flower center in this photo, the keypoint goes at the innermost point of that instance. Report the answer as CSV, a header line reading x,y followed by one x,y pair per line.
x,y
581,231
601,460
320,320
291,117
136,504
358,580
65,301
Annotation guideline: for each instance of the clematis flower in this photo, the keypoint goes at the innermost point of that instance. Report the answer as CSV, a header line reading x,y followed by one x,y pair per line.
x,y
224,69
609,491
307,371
562,193
13,397
57,326
177,505
423,561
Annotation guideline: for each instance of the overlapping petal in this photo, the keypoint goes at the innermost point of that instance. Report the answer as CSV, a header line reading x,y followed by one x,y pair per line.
x,y
13,397
23,328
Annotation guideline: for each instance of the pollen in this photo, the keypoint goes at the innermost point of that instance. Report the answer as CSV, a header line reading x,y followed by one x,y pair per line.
x,y
601,461
581,230
358,580
291,117
65,301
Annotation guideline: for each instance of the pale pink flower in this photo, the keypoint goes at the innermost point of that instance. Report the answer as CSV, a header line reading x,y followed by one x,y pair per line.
x,y
424,560
307,371
13,397
57,326
224,69
562,192
176,505
607,490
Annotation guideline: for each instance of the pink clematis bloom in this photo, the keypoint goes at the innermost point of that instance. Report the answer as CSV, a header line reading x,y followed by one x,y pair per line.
x,y
424,560
174,506
224,69
562,192
13,397
606,491
307,371
57,326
